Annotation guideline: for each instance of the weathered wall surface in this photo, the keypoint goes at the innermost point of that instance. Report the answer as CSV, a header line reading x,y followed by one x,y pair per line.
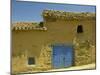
x,y
20,63
31,42
68,29
85,52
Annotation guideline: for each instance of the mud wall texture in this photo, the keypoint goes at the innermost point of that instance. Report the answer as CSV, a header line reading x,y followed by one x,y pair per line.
x,y
33,43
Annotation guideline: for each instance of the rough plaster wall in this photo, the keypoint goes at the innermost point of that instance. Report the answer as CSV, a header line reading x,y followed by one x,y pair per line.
x,y
57,32
69,29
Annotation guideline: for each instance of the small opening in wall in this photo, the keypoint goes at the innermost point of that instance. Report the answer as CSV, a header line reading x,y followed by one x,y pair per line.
x,y
31,60
41,24
80,29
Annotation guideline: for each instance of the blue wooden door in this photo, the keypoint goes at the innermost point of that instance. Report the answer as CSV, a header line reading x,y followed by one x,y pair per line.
x,y
62,56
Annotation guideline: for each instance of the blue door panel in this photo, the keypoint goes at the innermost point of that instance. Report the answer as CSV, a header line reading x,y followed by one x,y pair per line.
x,y
62,56
57,55
58,65
68,56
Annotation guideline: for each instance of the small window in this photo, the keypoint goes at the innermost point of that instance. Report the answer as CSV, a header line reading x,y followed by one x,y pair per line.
x,y
31,60
80,29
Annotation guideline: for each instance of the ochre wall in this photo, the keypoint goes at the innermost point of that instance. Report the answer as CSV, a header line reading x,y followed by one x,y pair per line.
x,y
30,42
67,30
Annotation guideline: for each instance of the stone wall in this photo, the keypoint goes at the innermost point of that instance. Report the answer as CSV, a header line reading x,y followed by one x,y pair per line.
x,y
44,61
20,63
63,15
84,52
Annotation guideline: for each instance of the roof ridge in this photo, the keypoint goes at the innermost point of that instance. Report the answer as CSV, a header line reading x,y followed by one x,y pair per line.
x,y
65,14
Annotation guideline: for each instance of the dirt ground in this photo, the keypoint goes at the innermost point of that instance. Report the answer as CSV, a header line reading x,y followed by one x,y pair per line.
x,y
84,67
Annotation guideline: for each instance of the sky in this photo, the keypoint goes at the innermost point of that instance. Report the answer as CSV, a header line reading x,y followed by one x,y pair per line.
x,y
23,11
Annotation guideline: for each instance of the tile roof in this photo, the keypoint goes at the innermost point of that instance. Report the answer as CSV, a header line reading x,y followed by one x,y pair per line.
x,y
27,26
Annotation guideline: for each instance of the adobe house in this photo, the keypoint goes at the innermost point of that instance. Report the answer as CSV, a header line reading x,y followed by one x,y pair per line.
x,y
62,40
